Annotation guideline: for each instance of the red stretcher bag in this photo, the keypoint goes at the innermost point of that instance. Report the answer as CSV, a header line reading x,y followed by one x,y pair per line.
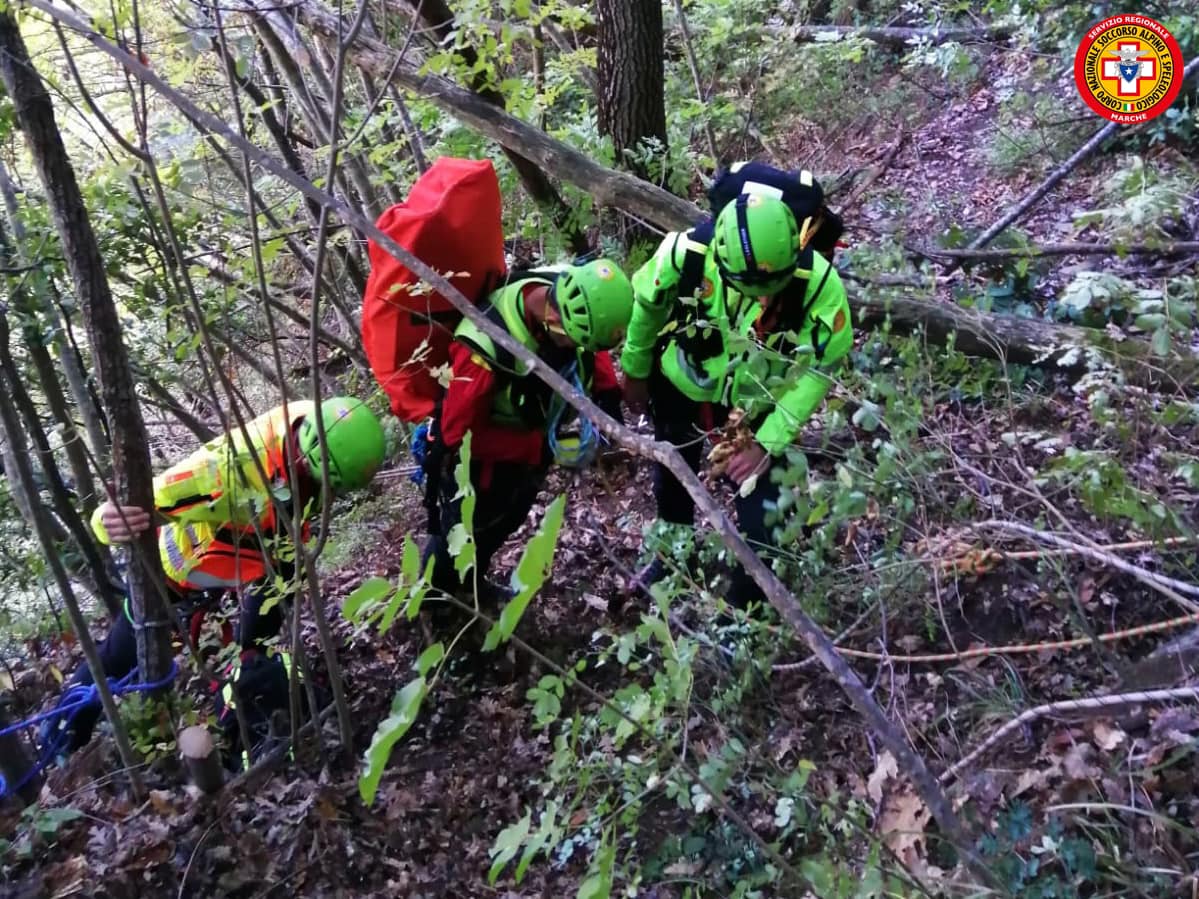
x,y
451,221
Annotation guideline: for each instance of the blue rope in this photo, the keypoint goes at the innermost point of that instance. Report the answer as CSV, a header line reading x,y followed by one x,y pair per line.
x,y
420,449
589,437
70,704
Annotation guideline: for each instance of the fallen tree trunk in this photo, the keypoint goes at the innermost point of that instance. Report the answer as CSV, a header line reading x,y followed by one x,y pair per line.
x,y
1067,248
1028,341
1068,349
438,16
609,187
901,37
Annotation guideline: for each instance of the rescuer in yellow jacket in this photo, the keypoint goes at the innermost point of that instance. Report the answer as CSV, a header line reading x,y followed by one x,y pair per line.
x,y
219,530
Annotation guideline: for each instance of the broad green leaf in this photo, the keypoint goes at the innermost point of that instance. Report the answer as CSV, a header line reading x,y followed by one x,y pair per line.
x,y
531,572
49,820
411,562
367,593
866,417
658,628
430,657
547,834
404,709
507,844
387,619
412,609
1160,343
820,873
599,884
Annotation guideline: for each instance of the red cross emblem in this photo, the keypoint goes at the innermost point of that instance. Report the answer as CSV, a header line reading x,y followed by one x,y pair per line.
x,y
1126,51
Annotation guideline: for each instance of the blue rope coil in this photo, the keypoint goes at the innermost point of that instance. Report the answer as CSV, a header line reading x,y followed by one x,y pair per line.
x,y
420,451
70,704
568,453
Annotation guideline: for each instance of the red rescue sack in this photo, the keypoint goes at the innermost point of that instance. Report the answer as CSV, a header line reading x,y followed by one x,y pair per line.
x,y
452,222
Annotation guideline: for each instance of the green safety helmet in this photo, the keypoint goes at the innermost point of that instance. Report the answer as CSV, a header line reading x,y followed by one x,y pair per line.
x,y
355,440
756,244
595,301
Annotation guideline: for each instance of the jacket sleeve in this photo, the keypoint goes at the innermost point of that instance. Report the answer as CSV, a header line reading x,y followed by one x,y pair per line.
x,y
467,407
98,528
654,297
833,331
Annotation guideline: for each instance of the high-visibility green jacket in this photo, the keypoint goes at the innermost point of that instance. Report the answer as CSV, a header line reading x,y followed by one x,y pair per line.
x,y
216,496
688,329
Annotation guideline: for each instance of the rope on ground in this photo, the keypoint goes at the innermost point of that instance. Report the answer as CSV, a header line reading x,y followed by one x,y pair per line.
x,y
1068,705
70,704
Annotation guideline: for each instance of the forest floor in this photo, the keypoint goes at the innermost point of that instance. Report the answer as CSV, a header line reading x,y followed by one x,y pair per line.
x,y
472,763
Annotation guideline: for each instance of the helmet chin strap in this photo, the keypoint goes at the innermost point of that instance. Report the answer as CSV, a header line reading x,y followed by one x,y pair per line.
x,y
747,250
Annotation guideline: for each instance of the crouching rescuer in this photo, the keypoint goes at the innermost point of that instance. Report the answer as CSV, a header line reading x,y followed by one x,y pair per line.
x,y
220,532
738,312
569,317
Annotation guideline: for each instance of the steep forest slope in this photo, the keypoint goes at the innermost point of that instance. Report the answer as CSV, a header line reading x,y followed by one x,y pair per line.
x,y
987,540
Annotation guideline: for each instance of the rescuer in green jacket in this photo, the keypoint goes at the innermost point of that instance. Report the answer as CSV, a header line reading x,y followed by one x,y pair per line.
x,y
725,316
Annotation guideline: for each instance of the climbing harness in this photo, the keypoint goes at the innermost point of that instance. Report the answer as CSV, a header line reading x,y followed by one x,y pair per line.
x,y
70,704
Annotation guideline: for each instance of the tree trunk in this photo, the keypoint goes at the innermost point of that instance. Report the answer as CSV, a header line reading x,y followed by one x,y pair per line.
x,y
47,376
1027,341
101,573
16,760
8,416
632,104
83,390
130,449
67,358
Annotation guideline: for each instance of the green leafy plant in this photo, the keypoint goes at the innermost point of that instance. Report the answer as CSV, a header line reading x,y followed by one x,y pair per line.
x,y
378,602
37,830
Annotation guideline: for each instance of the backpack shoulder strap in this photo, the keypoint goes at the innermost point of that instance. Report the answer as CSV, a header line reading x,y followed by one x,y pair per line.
x,y
695,252
475,338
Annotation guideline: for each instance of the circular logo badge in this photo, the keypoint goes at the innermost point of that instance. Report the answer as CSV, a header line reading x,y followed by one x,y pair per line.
x,y
604,272
1128,68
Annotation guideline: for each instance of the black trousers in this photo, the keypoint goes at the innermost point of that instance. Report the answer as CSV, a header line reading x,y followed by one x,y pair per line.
x,y
680,420
504,494
118,650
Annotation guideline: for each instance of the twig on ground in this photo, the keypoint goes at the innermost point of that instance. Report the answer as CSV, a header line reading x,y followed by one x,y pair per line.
x,y
875,172
1106,701
196,851
1169,585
